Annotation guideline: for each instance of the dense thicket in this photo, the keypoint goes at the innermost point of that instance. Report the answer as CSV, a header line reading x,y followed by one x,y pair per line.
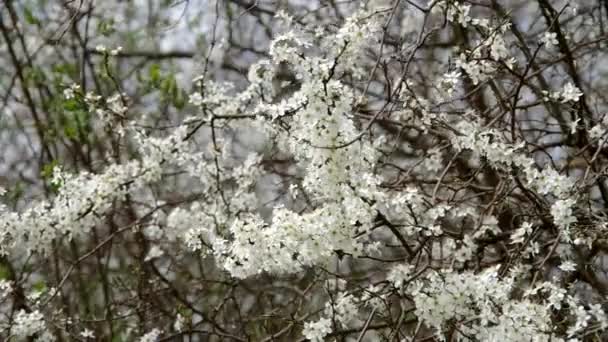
x,y
382,170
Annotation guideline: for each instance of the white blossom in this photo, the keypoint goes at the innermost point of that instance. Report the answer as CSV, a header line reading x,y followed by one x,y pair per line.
x,y
520,234
562,213
570,93
316,331
153,253
179,323
549,39
567,266
86,334
28,324
196,99
151,336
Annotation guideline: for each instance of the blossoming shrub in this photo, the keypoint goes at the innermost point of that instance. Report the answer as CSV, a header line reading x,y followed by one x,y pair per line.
x,y
332,171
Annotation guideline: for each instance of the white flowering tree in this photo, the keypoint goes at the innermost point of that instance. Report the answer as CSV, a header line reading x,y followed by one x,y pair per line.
x,y
382,170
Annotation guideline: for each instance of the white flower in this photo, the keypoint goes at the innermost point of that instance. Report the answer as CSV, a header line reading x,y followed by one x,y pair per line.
x,y
86,333
69,93
551,96
599,314
28,324
567,266
482,305
151,336
562,213
116,51
400,274
450,80
6,288
101,48
316,331
178,325
91,99
285,17
459,13
344,309
154,252
549,181
549,39
570,93
520,234
196,99
574,125
477,70
596,132
498,49
34,296
116,105
293,190
582,320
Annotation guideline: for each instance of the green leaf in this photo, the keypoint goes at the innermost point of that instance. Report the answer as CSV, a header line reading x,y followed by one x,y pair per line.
x,y
187,313
71,131
168,86
117,338
5,272
29,16
106,27
47,170
71,105
179,101
39,286
35,74
68,69
154,74
15,193
75,126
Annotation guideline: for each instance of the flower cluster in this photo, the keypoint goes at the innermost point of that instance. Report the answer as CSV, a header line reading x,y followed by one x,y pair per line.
x,y
403,181
480,305
28,324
